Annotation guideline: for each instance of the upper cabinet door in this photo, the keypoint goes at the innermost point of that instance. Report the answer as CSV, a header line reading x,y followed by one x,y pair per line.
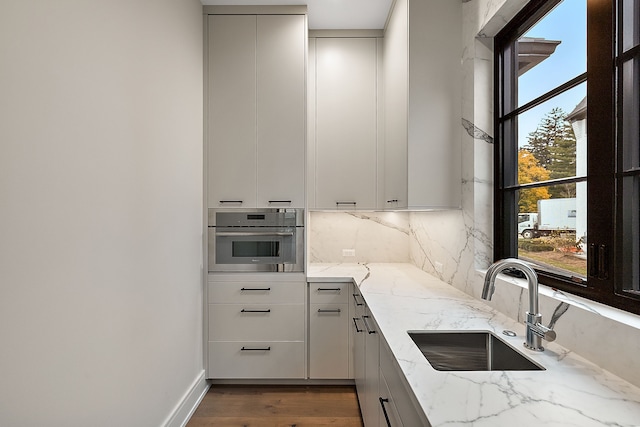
x,y
231,121
396,98
423,107
345,123
280,97
435,104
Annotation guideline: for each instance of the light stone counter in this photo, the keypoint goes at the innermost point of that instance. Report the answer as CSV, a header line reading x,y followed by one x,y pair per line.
x,y
570,392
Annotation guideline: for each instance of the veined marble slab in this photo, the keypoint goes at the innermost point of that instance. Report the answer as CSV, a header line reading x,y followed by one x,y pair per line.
x,y
570,392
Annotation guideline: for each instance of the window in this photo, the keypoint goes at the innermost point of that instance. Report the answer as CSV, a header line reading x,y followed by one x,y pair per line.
x,y
567,153
628,154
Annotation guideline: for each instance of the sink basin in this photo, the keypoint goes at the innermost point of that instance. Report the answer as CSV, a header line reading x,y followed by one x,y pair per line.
x,y
470,351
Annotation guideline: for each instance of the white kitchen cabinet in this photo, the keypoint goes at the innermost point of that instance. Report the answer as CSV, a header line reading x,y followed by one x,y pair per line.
x,y
256,360
255,105
371,408
422,96
357,307
344,126
379,380
388,416
231,119
281,68
400,401
241,289
356,337
253,322
256,326
329,346
366,358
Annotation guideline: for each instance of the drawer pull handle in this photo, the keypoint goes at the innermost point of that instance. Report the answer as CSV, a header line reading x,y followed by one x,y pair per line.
x,y
384,410
329,310
244,310
356,324
345,203
254,233
280,201
222,202
329,289
255,289
355,298
366,325
255,349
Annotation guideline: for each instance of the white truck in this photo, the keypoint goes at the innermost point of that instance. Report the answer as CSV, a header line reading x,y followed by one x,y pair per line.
x,y
554,215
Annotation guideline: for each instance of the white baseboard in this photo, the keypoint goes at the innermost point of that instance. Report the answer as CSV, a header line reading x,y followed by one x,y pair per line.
x,y
188,404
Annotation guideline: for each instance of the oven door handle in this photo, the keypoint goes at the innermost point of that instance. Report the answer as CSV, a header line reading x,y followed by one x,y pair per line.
x,y
253,233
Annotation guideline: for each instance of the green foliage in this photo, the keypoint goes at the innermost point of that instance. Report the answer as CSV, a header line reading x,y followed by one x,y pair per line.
x,y
553,144
534,245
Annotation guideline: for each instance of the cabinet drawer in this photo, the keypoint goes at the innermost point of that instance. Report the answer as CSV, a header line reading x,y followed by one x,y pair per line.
x,y
328,293
256,292
257,360
256,322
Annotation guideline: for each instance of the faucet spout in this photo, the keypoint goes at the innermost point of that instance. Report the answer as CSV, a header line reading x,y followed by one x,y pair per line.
x,y
499,266
535,329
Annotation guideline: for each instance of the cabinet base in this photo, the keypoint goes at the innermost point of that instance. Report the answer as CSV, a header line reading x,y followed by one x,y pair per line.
x,y
279,382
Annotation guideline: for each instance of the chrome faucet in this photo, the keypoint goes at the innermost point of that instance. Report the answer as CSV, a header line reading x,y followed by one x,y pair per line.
x,y
536,331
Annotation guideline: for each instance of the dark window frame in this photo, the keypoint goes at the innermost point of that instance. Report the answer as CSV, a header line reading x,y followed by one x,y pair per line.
x,y
605,262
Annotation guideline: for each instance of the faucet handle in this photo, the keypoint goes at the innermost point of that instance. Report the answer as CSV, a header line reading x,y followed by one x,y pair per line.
x,y
559,311
546,332
543,332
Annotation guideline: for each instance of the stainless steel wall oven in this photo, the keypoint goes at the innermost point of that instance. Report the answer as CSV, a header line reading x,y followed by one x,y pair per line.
x,y
270,240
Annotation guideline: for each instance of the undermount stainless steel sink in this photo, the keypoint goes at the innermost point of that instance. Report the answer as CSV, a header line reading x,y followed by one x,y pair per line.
x,y
470,351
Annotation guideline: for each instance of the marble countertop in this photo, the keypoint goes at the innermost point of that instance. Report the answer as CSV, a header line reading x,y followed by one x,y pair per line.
x,y
570,392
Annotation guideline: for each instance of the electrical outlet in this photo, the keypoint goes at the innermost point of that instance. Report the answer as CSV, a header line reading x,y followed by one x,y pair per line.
x,y
348,252
438,266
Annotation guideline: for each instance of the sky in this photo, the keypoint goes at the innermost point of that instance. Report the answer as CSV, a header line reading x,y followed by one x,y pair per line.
x,y
566,23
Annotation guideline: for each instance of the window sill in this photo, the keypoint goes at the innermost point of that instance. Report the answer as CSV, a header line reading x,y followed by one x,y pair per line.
x,y
603,310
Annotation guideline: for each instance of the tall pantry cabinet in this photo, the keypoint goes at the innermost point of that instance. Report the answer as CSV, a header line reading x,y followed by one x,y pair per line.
x,y
255,138
255,107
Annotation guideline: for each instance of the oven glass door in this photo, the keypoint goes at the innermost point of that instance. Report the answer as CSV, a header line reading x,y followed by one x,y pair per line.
x,y
255,246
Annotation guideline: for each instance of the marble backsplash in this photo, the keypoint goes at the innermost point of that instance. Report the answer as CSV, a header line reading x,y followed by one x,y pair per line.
x,y
374,236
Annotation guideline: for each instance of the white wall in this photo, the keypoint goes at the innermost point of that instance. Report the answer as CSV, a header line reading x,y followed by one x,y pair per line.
x,y
100,210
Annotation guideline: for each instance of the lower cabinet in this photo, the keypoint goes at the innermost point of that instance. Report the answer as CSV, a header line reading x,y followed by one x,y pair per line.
x,y
329,337
370,405
383,393
357,334
256,327
389,416
398,405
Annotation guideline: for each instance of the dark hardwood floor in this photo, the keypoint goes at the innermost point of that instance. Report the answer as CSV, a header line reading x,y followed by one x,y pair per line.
x,y
278,406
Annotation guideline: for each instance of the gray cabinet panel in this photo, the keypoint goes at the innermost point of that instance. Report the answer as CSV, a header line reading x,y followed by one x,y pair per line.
x,y
231,120
281,109
346,103
256,110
